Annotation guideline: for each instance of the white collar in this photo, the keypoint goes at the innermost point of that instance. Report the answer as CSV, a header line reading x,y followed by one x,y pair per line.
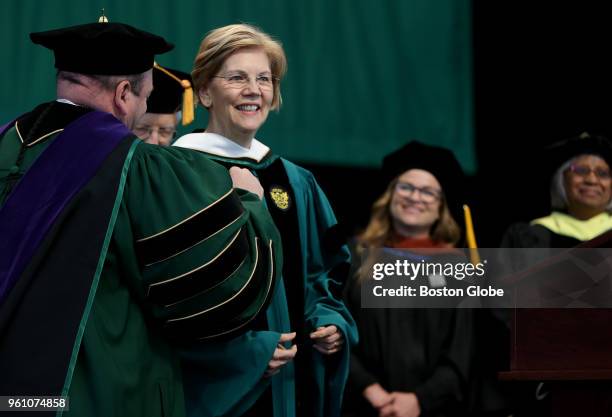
x,y
219,145
66,101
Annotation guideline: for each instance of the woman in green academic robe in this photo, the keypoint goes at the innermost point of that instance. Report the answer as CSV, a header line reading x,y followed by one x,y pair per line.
x,y
237,75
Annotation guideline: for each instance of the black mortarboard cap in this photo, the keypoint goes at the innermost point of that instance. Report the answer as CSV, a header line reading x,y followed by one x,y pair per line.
x,y
102,48
172,91
440,162
584,144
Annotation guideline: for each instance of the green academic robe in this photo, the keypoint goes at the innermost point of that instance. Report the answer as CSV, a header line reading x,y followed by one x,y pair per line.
x,y
308,297
160,286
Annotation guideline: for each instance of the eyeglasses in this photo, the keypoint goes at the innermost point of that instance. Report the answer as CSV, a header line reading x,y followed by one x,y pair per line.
x,y
242,80
164,133
584,171
428,195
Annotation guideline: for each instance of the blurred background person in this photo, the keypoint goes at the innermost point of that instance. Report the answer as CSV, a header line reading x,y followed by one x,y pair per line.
x,y
580,200
171,101
237,75
580,196
411,362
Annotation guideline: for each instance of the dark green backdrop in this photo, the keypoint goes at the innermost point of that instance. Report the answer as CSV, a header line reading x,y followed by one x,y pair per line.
x,y
363,77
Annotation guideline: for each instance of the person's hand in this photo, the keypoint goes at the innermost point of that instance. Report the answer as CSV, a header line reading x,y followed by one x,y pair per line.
x,y
403,404
281,355
244,179
327,340
377,396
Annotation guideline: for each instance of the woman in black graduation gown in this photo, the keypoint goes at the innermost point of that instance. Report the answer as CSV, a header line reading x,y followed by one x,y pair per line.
x,y
581,198
411,362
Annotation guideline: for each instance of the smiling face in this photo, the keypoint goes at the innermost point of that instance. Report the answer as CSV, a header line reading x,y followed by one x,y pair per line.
x,y
238,111
415,202
588,186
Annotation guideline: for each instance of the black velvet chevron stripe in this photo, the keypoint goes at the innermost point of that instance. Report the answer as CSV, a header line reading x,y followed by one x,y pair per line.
x,y
191,231
236,312
203,278
223,330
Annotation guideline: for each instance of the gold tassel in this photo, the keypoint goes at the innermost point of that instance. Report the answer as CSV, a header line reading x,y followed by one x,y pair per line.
x,y
188,106
470,236
188,115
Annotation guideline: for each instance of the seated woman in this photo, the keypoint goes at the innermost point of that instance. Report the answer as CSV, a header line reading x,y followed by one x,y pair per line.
x,y
411,362
581,197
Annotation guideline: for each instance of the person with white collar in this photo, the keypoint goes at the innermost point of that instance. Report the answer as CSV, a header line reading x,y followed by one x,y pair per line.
x,y
237,74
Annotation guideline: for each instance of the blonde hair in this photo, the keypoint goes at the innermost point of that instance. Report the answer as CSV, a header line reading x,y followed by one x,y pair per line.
x,y
220,43
379,229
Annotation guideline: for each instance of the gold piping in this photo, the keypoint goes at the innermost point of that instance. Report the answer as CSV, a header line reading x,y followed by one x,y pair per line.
x,y
199,267
208,289
37,140
232,297
197,243
188,218
18,132
260,307
43,137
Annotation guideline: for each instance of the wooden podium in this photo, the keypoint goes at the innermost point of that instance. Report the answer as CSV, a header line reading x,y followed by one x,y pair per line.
x,y
569,350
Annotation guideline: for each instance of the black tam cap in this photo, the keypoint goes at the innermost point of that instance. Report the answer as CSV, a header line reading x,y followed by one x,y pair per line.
x,y
169,88
102,48
440,162
584,144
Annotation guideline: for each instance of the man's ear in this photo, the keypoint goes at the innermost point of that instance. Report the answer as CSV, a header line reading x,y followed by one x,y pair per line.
x,y
205,97
122,97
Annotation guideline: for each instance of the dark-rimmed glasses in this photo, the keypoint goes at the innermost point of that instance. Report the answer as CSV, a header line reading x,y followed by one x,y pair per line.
x,y
428,195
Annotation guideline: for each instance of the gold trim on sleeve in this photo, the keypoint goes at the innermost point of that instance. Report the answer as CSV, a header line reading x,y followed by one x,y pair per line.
x,y
208,289
232,297
259,310
199,267
188,218
197,243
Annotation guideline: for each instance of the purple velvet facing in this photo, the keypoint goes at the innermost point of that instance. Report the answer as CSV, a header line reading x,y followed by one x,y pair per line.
x,y
58,174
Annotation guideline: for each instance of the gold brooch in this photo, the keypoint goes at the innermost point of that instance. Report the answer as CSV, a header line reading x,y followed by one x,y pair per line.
x,y
280,197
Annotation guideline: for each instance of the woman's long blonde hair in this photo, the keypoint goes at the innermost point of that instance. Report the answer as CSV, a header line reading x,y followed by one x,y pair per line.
x,y
379,231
